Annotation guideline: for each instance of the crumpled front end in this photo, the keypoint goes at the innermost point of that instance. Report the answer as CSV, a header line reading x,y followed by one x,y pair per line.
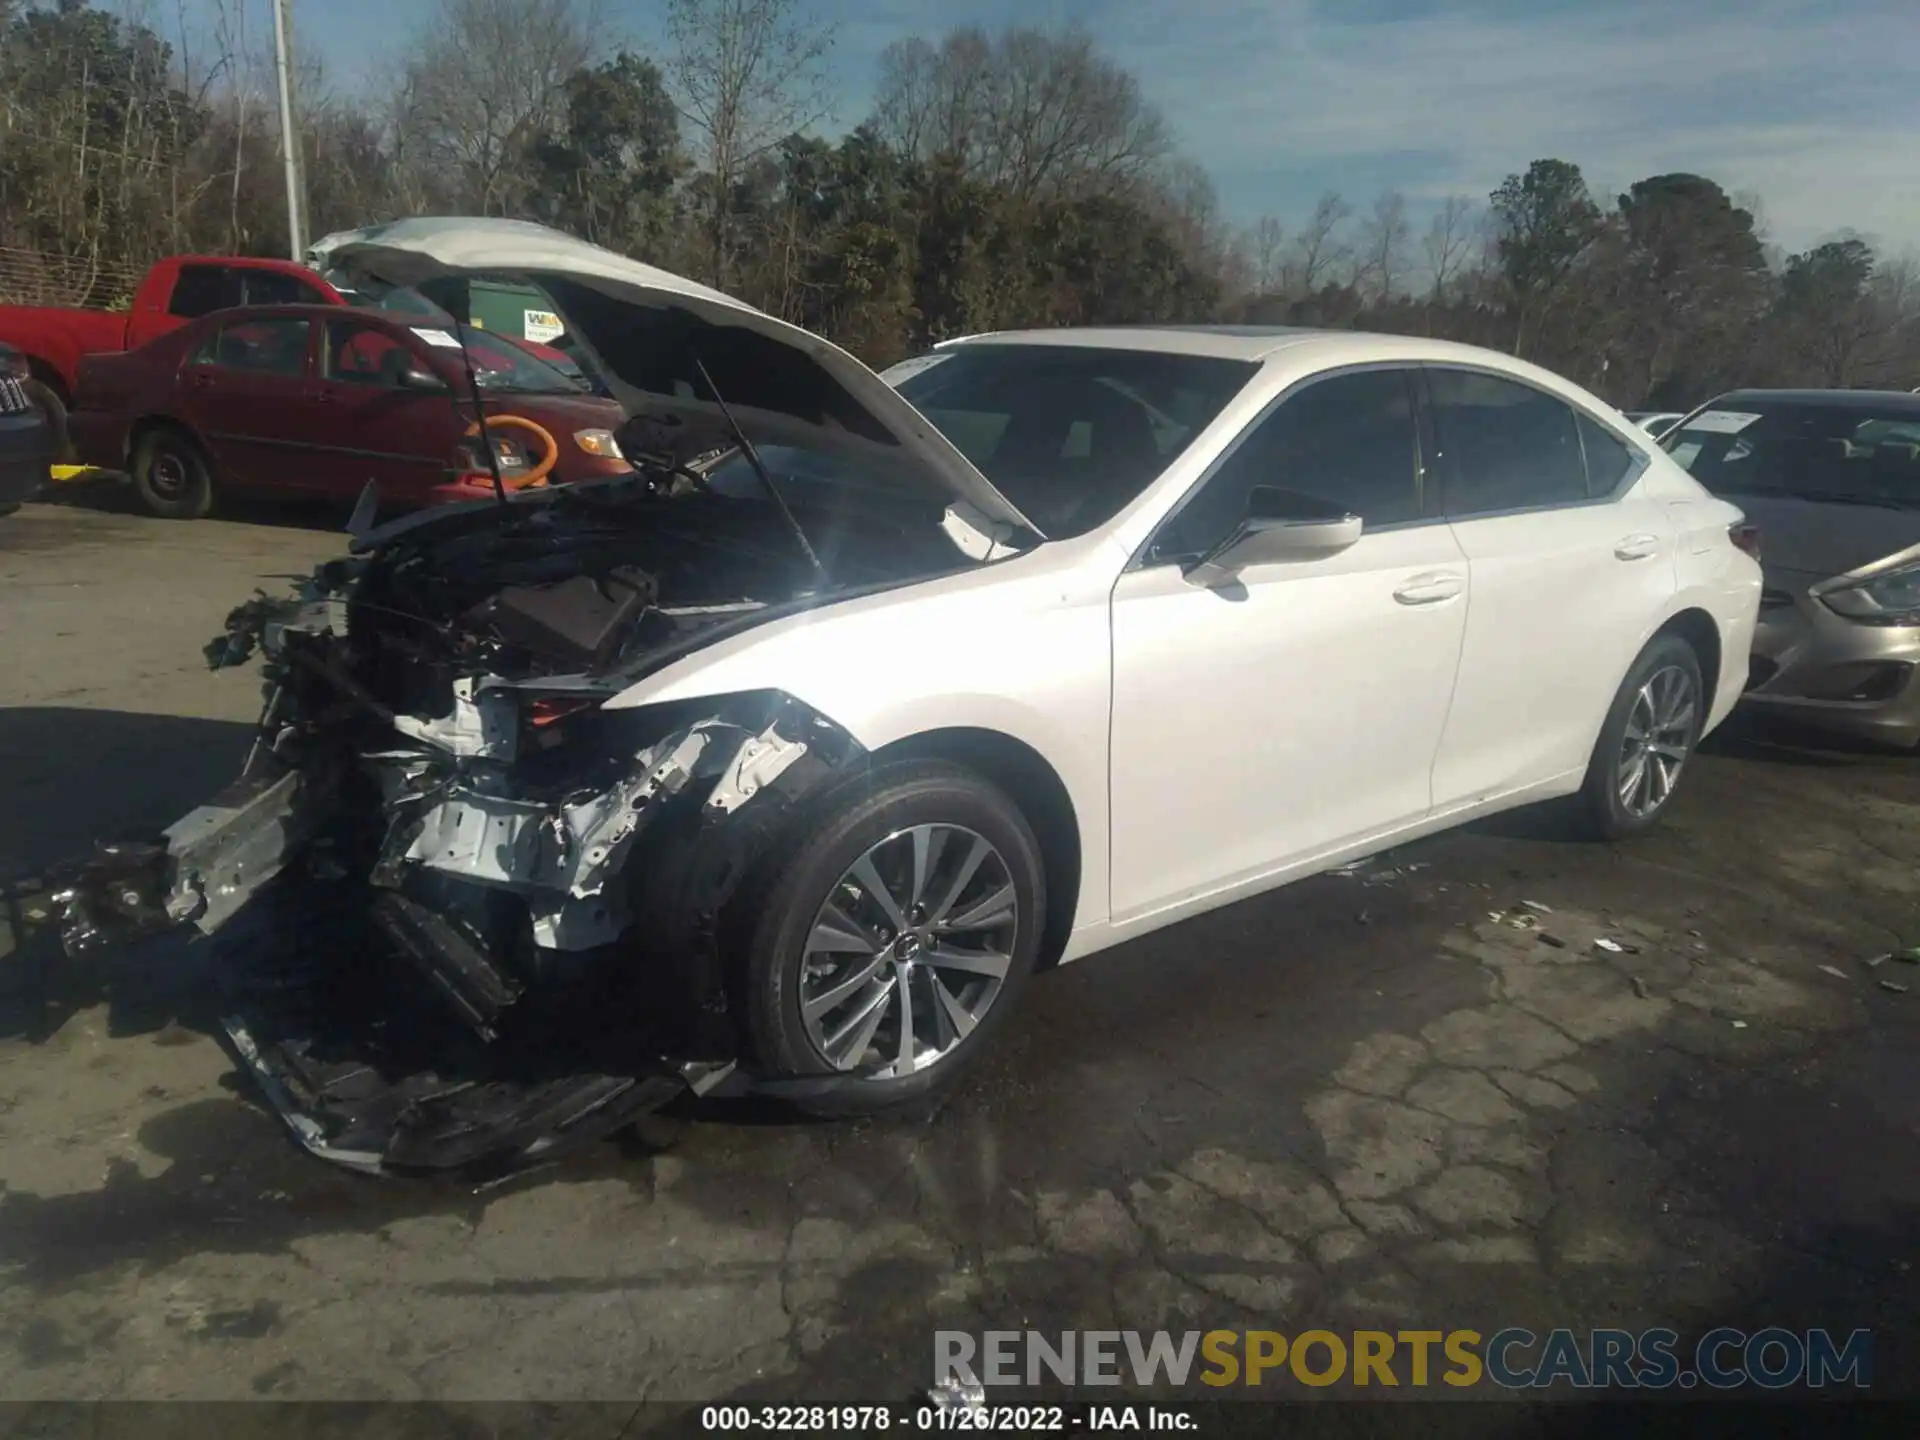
x,y
471,917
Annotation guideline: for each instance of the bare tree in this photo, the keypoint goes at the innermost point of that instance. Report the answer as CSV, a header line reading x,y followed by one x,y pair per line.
x,y
1318,248
488,78
749,74
1030,112
1448,243
1383,242
1268,235
931,100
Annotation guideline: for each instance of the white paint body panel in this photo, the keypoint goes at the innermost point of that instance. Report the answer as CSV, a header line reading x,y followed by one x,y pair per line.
x,y
1556,617
1276,719
1214,747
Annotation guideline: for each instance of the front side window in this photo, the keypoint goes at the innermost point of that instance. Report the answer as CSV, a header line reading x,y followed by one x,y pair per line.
x,y
202,289
498,363
1842,455
276,345
1505,446
1349,440
1070,434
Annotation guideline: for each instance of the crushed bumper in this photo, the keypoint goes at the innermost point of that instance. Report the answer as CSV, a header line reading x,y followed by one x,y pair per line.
x,y
469,939
371,1070
451,1008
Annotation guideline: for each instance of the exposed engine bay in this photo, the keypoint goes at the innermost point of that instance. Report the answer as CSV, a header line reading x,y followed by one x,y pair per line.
x,y
477,918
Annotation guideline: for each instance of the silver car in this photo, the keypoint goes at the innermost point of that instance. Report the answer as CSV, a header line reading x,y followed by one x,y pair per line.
x,y
1832,480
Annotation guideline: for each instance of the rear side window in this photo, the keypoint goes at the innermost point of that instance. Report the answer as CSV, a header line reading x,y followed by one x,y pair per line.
x,y
1608,457
1349,440
1504,446
203,289
273,346
276,287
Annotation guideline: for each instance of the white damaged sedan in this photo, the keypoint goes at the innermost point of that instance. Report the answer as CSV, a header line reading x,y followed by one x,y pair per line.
x,y
784,763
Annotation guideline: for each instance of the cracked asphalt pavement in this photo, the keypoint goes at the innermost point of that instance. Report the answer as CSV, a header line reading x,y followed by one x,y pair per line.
x,y
1357,1102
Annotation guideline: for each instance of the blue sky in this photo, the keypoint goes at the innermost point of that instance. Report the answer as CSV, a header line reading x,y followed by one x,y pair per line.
x,y
1813,105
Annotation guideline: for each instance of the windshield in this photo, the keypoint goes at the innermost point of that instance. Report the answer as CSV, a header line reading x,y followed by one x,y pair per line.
x,y
1070,434
500,365
373,295
1838,454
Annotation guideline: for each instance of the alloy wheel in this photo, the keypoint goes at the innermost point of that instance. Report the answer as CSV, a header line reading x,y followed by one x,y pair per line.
x,y
909,951
1658,739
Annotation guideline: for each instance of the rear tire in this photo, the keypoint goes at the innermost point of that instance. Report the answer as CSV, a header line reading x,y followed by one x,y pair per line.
x,y
1648,738
974,917
171,474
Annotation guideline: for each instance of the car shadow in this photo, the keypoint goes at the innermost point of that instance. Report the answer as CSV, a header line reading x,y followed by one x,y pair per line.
x,y
69,778
114,495
1750,736
1743,736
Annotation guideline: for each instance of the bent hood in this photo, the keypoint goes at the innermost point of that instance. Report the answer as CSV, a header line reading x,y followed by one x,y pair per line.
x,y
650,331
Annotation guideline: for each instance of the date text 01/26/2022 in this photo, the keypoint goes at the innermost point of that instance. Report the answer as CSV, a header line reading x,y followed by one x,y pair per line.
x,y
1006,1419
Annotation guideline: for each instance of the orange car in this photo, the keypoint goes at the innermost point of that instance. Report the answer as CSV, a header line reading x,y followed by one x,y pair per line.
x,y
317,400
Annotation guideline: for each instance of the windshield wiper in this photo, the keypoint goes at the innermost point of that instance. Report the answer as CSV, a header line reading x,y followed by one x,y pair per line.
x,y
760,470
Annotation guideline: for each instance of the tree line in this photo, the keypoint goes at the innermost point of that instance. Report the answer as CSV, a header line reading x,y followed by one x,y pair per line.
x,y
1001,179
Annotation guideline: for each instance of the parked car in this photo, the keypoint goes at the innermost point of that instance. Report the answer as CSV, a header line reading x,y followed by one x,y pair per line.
x,y
1833,478
27,441
174,291
319,400
1655,422
405,299
550,355
1035,645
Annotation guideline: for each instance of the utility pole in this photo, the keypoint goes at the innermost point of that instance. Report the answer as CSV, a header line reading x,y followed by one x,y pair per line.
x,y
289,137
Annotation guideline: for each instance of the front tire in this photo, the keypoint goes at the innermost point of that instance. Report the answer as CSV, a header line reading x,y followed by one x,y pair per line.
x,y
1649,735
171,474
895,937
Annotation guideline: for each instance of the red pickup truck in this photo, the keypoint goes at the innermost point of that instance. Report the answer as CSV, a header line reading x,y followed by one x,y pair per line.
x,y
176,290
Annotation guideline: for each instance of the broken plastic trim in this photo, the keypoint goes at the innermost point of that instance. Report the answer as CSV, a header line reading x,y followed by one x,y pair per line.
x,y
562,856
457,1126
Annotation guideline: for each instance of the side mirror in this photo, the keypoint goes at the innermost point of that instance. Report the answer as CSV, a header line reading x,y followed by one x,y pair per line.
x,y
1280,526
418,377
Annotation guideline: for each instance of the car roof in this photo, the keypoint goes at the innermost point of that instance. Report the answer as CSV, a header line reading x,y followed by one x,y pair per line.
x,y
1255,343
1899,402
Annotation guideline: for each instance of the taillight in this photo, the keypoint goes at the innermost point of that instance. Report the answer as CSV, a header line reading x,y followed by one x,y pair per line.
x,y
1745,537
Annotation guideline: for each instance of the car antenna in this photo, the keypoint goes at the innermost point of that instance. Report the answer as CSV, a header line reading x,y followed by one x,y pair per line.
x,y
480,414
753,459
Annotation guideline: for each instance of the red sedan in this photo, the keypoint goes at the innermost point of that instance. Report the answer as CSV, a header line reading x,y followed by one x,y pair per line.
x,y
318,400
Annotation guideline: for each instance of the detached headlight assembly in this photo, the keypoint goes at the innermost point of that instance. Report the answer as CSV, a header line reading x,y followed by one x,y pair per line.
x,y
1891,598
598,442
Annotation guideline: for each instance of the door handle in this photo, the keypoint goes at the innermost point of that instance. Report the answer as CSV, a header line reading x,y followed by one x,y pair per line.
x,y
1636,547
1427,589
